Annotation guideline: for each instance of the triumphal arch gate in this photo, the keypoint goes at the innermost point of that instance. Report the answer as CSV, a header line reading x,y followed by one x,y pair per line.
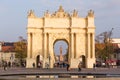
x,y
78,32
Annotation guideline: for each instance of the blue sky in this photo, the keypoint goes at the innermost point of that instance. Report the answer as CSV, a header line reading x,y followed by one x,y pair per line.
x,y
13,14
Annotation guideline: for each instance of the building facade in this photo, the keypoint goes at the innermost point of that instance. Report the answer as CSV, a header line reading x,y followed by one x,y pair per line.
x,y
76,31
7,52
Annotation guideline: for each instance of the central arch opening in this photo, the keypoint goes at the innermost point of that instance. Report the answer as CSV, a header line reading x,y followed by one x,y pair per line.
x,y
61,53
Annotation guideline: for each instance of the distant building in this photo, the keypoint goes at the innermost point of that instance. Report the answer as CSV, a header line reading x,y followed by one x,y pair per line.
x,y
116,44
7,47
7,52
116,40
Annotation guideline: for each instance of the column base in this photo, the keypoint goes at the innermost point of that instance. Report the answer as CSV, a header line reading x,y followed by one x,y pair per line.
x,y
90,62
46,62
29,62
74,63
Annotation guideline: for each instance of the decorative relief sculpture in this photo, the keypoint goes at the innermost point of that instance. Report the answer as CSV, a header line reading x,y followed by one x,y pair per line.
x,y
59,14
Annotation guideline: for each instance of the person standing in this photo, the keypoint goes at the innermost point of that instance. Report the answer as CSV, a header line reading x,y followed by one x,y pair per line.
x,y
39,64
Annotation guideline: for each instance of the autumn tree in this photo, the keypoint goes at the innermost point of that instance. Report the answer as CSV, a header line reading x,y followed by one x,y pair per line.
x,y
104,48
21,49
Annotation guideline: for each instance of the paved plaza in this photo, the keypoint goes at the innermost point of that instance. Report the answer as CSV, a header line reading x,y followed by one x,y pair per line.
x,y
58,70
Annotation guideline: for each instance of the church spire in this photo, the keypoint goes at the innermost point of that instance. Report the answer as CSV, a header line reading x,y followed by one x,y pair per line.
x,y
61,56
60,49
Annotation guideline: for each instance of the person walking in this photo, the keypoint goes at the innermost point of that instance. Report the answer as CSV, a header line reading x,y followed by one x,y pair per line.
x,y
33,65
94,66
79,67
68,67
5,65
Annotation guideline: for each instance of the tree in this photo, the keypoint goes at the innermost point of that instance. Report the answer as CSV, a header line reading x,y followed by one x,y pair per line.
x,y
104,48
21,49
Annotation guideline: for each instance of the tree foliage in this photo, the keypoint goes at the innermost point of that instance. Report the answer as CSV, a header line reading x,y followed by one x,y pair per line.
x,y
21,49
104,48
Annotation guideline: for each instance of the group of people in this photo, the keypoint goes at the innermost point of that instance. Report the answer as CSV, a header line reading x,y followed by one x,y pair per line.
x,y
67,66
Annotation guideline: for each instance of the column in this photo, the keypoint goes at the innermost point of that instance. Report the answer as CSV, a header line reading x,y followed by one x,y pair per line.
x,y
93,45
88,46
28,45
45,45
44,49
72,46
30,58
29,49
33,44
75,52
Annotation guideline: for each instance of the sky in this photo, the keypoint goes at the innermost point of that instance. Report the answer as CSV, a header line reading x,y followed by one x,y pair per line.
x,y
13,15
58,44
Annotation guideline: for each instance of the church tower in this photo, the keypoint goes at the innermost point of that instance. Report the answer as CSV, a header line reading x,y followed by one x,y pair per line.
x,y
61,55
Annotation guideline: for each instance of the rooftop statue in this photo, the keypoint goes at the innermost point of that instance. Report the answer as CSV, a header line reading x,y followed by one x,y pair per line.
x,y
31,13
91,13
47,14
75,13
60,9
60,13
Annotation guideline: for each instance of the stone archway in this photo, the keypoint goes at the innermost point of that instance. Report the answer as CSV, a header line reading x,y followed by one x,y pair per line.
x,y
78,32
61,52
